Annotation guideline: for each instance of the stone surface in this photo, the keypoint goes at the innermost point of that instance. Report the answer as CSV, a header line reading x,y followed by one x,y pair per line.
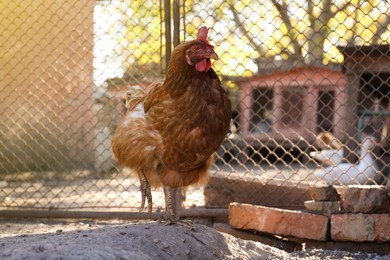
x,y
135,242
360,227
323,207
278,221
382,248
285,245
324,193
364,199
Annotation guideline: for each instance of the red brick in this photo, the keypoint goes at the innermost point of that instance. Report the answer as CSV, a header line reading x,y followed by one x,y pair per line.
x,y
360,227
382,227
323,207
352,227
278,221
324,193
364,199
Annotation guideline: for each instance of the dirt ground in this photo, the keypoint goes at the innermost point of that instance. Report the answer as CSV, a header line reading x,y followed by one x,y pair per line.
x,y
49,239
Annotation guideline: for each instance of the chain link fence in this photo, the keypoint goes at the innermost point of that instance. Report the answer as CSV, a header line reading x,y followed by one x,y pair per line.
x,y
309,83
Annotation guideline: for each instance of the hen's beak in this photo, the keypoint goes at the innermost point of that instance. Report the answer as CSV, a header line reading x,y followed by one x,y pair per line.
x,y
210,54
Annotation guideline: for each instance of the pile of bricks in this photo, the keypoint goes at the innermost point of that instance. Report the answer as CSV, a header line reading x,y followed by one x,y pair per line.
x,y
353,213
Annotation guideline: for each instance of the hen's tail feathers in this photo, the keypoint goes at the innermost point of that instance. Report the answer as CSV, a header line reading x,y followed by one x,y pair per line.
x,y
134,96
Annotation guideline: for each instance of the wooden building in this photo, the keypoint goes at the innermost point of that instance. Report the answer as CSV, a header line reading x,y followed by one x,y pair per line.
x,y
367,69
290,107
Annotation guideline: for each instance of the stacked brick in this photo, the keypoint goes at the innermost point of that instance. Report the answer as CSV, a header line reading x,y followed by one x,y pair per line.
x,y
365,215
353,213
326,200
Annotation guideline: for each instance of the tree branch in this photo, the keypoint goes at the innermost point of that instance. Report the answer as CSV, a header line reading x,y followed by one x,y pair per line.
x,y
246,34
382,27
340,9
283,11
310,8
326,13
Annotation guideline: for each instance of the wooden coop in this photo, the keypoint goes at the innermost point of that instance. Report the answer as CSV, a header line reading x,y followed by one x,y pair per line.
x,y
290,107
368,72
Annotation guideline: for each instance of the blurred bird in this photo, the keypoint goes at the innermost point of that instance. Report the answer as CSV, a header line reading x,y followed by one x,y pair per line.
x,y
345,173
330,157
332,152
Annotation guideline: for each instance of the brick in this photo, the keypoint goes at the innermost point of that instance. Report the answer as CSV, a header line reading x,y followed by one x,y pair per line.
x,y
324,193
352,227
364,199
279,222
323,207
382,227
360,227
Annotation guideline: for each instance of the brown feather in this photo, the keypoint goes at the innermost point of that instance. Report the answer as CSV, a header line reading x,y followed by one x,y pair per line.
x,y
186,119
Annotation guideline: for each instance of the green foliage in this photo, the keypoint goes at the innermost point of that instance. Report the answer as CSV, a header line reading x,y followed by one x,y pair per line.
x,y
246,32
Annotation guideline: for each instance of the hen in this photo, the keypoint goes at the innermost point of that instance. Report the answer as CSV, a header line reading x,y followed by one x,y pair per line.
x,y
170,133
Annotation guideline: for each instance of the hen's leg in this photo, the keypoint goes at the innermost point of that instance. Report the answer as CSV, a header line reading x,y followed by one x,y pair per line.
x,y
170,217
169,214
146,193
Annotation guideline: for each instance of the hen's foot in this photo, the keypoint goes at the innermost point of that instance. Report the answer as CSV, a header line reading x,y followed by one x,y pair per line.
x,y
172,220
146,193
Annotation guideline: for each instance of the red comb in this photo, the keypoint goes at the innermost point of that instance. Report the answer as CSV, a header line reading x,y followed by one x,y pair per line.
x,y
202,33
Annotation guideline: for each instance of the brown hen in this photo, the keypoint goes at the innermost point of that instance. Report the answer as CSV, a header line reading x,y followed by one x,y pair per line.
x,y
170,133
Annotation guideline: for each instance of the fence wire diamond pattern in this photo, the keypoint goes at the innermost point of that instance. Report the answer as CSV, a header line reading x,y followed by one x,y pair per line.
x,y
309,83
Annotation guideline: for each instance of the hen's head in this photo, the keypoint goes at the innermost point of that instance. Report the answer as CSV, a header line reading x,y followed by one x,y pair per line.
x,y
201,51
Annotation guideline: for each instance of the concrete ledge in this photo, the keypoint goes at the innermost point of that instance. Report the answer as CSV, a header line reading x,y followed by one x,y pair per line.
x,y
223,189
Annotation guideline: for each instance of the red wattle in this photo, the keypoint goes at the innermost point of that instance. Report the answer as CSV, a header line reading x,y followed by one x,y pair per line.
x,y
201,65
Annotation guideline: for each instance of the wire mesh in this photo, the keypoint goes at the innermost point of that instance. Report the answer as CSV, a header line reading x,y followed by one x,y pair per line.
x,y
309,83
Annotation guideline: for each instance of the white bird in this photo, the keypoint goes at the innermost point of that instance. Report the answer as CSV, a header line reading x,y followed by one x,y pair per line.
x,y
330,157
332,152
345,173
